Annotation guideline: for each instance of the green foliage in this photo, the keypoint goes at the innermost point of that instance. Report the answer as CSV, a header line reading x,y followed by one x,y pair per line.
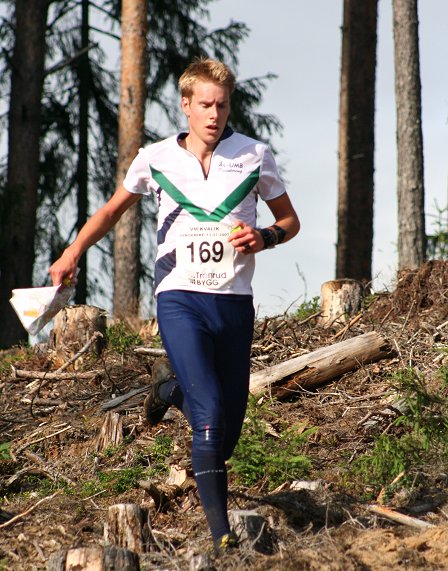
x,y
427,410
422,431
120,337
260,456
437,243
159,452
110,451
308,308
389,457
120,480
43,486
113,481
4,450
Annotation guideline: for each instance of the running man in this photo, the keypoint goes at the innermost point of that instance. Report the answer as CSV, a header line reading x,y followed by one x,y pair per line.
x,y
207,181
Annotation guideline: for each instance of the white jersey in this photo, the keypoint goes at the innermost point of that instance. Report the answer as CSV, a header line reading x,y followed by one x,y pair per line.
x,y
197,213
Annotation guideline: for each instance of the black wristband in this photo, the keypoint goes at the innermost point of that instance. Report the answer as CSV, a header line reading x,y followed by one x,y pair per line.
x,y
281,234
270,238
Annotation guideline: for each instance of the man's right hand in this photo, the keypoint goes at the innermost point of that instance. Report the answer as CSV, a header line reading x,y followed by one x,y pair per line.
x,y
64,269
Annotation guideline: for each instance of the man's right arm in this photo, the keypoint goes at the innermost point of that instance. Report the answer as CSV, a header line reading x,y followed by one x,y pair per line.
x,y
94,229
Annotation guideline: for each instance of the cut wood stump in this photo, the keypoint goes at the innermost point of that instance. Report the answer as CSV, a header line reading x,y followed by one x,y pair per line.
x,y
128,526
73,327
252,530
316,368
340,300
109,558
162,493
111,433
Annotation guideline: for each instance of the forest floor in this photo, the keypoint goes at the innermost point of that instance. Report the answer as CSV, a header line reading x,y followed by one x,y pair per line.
x,y
59,486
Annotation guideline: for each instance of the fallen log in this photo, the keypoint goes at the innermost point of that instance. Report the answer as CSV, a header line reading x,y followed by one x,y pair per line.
x,y
47,376
316,368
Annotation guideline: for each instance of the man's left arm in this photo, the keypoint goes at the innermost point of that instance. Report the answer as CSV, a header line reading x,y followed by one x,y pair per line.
x,y
249,240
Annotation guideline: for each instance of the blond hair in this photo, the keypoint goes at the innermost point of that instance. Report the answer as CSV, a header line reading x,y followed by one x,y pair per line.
x,y
209,70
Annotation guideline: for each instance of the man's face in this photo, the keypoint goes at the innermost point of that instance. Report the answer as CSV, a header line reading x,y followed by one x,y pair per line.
x,y
207,111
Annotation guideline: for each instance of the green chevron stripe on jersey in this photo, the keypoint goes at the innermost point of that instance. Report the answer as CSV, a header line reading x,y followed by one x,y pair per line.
x,y
226,206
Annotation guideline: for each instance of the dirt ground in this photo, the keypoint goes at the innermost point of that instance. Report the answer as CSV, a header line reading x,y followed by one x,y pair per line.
x,y
52,428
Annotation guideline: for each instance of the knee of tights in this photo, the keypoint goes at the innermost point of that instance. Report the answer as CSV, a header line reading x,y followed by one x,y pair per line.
x,y
208,440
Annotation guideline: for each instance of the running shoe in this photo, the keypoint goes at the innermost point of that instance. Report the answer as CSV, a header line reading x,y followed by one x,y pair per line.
x,y
154,407
225,544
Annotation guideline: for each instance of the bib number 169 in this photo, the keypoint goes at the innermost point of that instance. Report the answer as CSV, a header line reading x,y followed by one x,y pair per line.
x,y
206,251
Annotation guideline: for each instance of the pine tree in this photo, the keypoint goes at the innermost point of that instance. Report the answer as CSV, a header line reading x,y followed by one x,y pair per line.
x,y
410,183
20,195
356,141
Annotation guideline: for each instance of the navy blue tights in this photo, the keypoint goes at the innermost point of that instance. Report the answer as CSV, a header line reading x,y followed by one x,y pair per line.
x,y
208,339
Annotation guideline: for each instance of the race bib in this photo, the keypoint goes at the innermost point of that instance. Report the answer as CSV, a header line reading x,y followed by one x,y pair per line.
x,y
204,257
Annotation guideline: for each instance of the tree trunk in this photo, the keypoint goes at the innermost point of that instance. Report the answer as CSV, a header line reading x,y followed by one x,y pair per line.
x,y
130,135
410,185
83,73
316,368
18,219
356,141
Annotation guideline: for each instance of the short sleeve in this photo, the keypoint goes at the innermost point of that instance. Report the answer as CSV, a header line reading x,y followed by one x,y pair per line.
x,y
138,178
270,184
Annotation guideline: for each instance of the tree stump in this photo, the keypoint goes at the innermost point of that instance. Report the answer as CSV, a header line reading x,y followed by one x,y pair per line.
x,y
162,494
128,526
74,326
340,299
111,433
109,558
252,530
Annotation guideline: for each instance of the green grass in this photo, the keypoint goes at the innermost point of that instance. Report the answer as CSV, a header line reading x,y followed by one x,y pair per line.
x,y
144,466
307,308
418,439
5,450
260,458
120,337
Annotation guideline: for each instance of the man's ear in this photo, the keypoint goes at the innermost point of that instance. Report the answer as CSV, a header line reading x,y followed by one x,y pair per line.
x,y
186,106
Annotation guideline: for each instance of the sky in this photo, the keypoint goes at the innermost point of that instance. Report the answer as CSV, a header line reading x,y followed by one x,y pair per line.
x,y
300,42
